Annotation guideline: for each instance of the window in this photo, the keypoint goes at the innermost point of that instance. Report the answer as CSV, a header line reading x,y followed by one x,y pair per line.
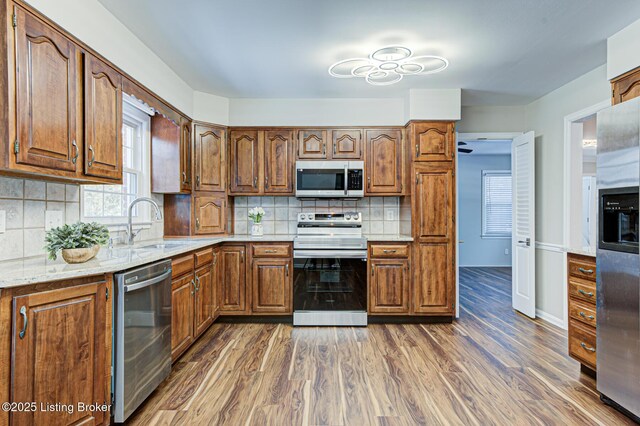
x,y
496,204
109,204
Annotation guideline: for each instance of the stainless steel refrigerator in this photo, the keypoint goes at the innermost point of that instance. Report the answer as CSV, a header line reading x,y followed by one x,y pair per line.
x,y
618,261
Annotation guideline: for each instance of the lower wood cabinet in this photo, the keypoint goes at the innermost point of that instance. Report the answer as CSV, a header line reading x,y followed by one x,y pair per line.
x,y
434,279
193,297
581,287
271,281
60,350
389,279
256,279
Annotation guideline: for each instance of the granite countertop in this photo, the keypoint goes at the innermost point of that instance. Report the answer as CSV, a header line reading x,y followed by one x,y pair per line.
x,y
40,269
582,252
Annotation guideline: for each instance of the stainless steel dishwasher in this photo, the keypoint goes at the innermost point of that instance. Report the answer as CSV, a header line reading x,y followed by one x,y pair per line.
x,y
142,335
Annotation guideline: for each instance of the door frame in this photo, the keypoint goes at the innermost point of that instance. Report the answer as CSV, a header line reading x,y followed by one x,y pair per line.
x,y
470,136
566,205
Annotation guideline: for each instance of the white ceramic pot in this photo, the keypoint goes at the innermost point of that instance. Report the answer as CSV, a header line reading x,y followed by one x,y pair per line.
x,y
257,230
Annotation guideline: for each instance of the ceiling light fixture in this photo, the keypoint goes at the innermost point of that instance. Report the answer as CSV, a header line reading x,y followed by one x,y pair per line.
x,y
388,65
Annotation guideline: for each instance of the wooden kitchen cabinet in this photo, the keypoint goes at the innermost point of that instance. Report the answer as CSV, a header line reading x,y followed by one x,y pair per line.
x,y
233,273
278,162
389,285
432,141
312,144
272,286
384,162
48,99
244,160
61,350
182,314
625,87
434,202
346,144
204,298
434,278
103,120
210,214
581,287
185,154
210,170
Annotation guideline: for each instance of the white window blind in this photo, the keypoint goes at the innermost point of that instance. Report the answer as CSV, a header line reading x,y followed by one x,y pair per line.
x,y
496,203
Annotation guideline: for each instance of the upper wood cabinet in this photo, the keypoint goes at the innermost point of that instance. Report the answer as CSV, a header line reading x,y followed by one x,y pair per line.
x,y
103,120
210,171
312,144
323,144
61,353
384,162
432,141
48,104
625,87
244,161
210,214
278,162
233,273
346,144
185,154
434,198
271,280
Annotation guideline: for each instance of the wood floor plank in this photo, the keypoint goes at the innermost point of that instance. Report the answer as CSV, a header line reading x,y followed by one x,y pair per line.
x,y
491,366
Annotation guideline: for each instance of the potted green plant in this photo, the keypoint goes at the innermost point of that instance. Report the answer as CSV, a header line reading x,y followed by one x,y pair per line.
x,y
79,242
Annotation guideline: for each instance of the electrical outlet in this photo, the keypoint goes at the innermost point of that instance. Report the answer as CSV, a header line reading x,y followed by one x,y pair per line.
x,y
52,219
3,221
506,251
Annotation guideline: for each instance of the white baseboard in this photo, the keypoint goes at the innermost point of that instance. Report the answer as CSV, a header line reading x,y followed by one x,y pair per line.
x,y
551,319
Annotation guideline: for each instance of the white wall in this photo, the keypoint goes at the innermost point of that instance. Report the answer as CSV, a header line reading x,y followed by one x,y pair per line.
x,y
622,50
210,108
478,251
480,119
98,28
434,104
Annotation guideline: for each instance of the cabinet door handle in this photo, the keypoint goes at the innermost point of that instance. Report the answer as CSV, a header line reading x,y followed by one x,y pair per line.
x,y
197,283
74,160
583,315
23,312
271,251
286,268
198,181
372,273
255,181
193,283
197,223
389,251
586,271
417,150
93,155
587,348
584,293
368,182
324,148
266,181
184,177
334,149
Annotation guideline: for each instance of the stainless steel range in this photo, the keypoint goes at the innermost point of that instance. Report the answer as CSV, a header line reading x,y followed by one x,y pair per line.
x,y
330,270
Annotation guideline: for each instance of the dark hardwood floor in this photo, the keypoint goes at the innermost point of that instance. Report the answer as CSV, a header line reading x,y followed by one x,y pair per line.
x,y
492,366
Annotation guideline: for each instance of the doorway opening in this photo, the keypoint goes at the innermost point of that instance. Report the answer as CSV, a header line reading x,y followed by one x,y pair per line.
x,y
484,215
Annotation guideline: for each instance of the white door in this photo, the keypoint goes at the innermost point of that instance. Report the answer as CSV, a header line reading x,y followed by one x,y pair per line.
x,y
523,220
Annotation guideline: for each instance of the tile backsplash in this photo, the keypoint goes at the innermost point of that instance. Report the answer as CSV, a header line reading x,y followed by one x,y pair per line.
x,y
25,202
380,215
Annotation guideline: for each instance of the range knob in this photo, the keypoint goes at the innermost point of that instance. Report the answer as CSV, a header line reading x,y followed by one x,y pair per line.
x,y
347,216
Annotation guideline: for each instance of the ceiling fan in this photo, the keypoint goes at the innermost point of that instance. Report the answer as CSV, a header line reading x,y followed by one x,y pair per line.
x,y
464,150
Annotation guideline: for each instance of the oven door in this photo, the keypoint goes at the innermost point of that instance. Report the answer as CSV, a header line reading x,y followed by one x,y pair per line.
x,y
330,288
321,179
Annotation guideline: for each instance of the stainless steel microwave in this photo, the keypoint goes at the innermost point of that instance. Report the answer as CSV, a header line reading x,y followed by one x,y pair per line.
x,y
329,179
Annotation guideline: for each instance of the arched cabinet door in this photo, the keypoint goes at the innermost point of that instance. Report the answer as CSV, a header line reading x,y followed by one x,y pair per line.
x,y
244,162
433,141
384,162
210,157
48,92
209,212
278,162
103,120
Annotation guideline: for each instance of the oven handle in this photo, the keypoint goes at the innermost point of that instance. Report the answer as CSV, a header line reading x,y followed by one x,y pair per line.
x,y
339,254
346,178
147,283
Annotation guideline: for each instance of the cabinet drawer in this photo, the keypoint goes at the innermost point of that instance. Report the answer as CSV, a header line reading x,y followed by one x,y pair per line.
x,y
390,250
583,312
181,265
582,343
582,289
271,250
582,269
203,257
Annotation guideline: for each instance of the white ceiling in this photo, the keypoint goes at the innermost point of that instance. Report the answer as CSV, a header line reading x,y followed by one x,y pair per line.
x,y
502,52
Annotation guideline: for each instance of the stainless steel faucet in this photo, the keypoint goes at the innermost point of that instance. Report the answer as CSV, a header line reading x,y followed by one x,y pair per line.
x,y
130,234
